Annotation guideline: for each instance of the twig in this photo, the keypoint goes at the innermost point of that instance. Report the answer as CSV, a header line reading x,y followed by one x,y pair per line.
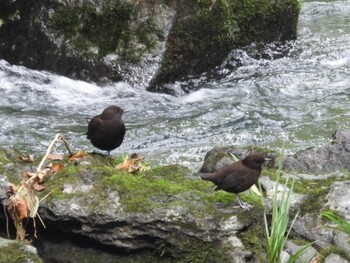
x,y
7,222
57,137
67,146
42,199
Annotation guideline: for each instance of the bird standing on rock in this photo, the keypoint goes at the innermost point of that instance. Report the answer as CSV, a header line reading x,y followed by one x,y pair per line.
x,y
237,177
106,131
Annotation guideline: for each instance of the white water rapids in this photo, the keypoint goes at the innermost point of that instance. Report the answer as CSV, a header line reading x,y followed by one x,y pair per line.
x,y
293,102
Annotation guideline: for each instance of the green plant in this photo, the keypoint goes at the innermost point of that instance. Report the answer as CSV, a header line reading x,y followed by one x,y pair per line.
x,y
277,234
341,223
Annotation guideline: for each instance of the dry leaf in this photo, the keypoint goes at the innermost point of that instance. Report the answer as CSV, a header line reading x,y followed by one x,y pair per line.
x,y
255,190
75,157
26,159
39,187
18,207
28,175
133,164
33,177
12,190
55,157
316,259
55,167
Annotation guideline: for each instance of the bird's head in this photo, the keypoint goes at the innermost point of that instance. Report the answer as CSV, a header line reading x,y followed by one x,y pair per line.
x,y
112,112
254,161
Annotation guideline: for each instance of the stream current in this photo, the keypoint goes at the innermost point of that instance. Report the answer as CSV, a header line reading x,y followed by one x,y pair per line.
x,y
291,102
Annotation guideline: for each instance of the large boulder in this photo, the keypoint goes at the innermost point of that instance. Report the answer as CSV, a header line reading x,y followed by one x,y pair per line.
x,y
145,43
166,214
158,215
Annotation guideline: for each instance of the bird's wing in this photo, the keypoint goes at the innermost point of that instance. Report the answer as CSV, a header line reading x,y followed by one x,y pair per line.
x,y
95,124
234,178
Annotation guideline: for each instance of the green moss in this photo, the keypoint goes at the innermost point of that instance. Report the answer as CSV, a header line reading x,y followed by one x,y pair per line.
x,y
14,253
112,28
164,186
211,29
167,186
253,235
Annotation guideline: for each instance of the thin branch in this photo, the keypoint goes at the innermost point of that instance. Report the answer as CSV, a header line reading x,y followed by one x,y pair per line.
x,y
67,146
57,137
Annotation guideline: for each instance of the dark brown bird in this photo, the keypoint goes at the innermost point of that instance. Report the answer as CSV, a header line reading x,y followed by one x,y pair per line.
x,y
237,177
106,131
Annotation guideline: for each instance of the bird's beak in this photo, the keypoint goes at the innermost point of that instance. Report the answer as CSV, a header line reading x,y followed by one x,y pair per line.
x,y
267,159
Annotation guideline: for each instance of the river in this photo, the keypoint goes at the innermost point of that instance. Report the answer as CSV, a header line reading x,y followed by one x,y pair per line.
x,y
292,102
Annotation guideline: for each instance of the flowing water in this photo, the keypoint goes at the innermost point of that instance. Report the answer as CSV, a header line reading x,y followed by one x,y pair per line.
x,y
295,101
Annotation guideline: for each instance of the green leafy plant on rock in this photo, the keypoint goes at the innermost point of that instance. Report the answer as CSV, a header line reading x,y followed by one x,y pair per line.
x,y
341,224
278,232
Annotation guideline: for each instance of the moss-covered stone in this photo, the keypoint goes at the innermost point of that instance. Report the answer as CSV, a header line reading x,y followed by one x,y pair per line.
x,y
95,40
17,252
111,28
160,187
206,31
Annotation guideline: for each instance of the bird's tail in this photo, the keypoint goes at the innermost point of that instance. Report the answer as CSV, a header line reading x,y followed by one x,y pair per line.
x,y
204,176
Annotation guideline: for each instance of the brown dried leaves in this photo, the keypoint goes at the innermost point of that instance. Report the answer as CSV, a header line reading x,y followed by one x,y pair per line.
x,y
133,164
22,201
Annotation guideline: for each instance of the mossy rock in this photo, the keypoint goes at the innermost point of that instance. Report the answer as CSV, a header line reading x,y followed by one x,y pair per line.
x,y
119,40
18,252
205,31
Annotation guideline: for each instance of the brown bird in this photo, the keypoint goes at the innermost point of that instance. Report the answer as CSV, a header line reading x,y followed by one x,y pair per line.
x,y
106,131
237,177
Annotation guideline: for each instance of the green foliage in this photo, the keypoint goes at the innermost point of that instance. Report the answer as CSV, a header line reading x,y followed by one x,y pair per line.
x,y
277,234
341,223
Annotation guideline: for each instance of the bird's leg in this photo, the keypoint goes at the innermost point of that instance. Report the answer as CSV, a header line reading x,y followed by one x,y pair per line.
x,y
243,205
108,153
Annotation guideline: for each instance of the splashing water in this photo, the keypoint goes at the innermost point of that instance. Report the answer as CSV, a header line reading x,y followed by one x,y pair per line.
x,y
295,101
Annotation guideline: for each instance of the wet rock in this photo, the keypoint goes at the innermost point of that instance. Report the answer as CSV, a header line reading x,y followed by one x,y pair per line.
x,y
323,159
339,198
342,241
307,256
220,157
332,258
269,186
324,167
168,216
217,158
144,43
316,177
310,226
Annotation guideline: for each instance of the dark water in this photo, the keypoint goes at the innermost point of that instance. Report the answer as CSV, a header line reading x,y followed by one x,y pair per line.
x,y
293,102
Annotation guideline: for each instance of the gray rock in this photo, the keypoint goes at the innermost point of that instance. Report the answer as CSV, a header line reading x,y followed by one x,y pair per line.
x,y
220,157
144,43
306,176
334,258
307,256
269,186
4,186
339,198
342,241
323,159
310,227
